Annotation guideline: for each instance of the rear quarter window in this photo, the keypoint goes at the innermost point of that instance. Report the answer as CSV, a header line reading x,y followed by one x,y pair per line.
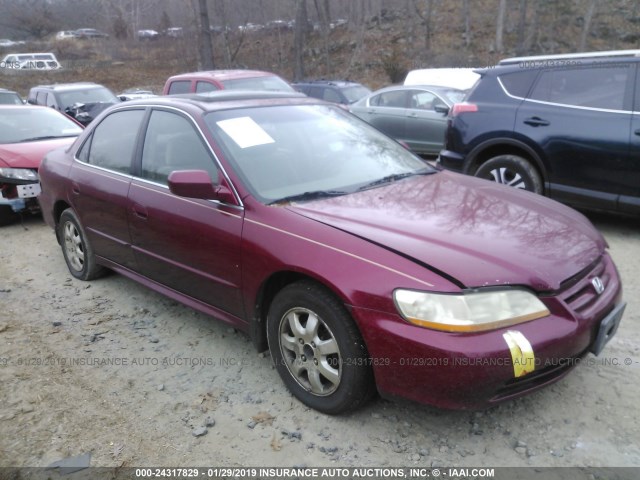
x,y
518,84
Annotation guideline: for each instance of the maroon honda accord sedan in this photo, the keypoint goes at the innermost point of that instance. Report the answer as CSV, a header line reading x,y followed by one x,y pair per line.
x,y
358,265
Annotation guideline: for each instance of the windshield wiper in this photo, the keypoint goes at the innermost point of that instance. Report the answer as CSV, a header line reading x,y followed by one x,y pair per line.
x,y
395,177
310,196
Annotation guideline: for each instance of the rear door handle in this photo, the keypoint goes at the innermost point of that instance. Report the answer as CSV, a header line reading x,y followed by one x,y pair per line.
x,y
140,212
637,132
537,122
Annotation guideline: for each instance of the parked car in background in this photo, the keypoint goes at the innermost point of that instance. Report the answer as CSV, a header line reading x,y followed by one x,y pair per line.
x,y
460,78
147,35
135,94
356,263
82,100
200,82
8,97
90,33
563,126
415,115
5,42
335,91
30,61
66,35
174,32
27,133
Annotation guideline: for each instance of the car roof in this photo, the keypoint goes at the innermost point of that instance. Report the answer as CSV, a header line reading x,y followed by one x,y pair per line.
x,y
434,88
226,99
223,74
607,54
333,83
69,86
23,107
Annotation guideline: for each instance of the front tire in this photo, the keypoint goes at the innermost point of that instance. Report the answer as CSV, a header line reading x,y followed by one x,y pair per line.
x,y
76,248
317,349
513,171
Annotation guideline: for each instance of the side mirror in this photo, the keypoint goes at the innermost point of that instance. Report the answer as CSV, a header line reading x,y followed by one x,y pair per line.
x,y
441,109
198,184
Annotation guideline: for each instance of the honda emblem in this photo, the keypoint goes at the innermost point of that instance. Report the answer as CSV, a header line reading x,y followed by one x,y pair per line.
x,y
598,285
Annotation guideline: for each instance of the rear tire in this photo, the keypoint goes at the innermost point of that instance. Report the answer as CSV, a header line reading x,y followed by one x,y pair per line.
x,y
76,248
317,349
513,171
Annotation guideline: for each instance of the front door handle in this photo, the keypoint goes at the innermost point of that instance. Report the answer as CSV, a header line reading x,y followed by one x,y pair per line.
x,y
537,122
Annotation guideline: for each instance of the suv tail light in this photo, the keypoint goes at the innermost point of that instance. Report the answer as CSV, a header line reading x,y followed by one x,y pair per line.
x,y
464,107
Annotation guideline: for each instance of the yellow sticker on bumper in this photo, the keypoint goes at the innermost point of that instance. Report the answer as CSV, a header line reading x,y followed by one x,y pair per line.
x,y
524,361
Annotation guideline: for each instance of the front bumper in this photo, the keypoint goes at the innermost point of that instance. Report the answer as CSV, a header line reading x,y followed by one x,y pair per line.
x,y
471,371
21,197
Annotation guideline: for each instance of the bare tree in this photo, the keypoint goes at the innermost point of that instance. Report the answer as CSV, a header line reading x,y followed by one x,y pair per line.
x,y
205,50
300,35
587,25
466,17
324,18
522,26
502,7
31,17
426,16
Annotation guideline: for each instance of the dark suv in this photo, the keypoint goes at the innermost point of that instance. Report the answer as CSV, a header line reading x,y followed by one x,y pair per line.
x,y
565,126
82,100
335,91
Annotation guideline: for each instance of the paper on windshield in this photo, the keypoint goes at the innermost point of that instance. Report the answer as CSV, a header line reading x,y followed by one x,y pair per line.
x,y
245,132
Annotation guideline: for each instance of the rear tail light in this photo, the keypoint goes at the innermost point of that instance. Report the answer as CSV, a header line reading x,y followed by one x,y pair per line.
x,y
459,108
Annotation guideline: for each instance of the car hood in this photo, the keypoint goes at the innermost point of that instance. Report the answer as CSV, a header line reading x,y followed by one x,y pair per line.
x,y
29,155
474,232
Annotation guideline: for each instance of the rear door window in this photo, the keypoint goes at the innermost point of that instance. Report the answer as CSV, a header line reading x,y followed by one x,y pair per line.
x,y
394,99
600,87
202,87
114,140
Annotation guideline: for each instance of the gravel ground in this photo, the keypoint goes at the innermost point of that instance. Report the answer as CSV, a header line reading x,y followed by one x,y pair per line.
x,y
135,379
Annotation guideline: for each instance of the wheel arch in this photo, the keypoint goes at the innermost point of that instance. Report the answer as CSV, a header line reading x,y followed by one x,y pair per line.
x,y
265,295
504,146
59,207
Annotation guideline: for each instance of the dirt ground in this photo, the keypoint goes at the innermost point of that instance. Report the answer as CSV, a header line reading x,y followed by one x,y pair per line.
x,y
113,369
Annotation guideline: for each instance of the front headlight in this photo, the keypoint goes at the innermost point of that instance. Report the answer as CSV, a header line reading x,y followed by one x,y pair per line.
x,y
23,174
469,312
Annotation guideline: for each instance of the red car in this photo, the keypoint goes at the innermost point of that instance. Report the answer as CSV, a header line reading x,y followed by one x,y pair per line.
x,y
355,262
209,81
26,135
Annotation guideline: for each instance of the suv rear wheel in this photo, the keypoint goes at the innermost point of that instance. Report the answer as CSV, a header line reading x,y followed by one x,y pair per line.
x,y
513,171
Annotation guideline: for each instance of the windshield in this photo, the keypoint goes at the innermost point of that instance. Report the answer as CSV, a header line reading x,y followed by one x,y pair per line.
x,y
89,95
282,152
272,83
453,95
10,98
32,124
